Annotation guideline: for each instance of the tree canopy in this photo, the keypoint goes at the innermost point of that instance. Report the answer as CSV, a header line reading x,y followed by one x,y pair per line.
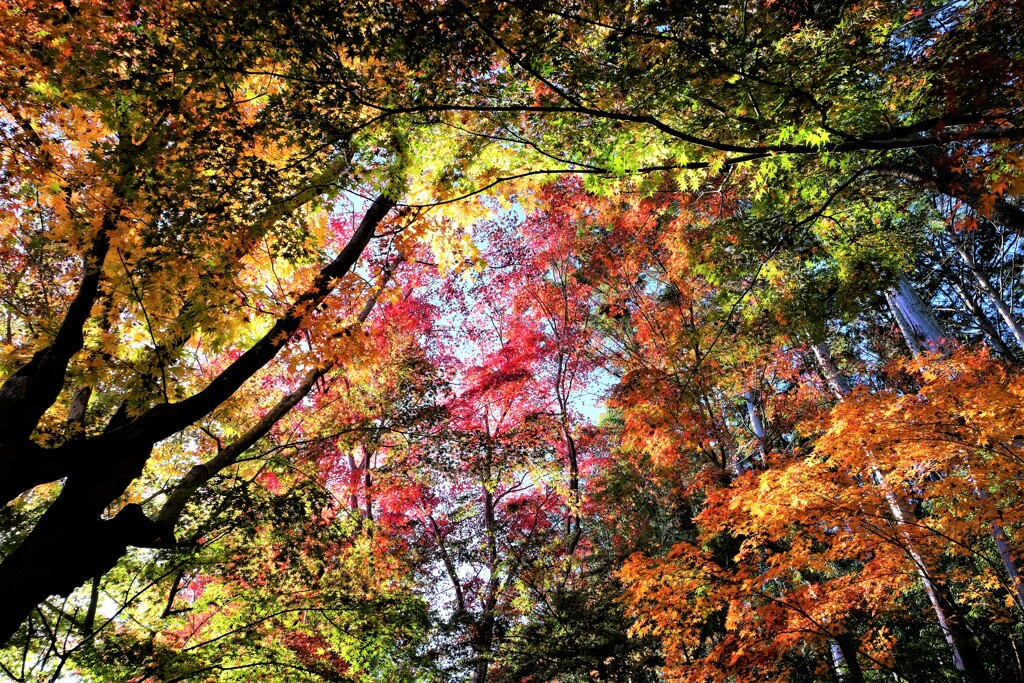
x,y
395,340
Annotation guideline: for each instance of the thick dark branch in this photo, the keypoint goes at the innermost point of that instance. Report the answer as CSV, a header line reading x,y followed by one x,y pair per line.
x,y
164,420
227,456
65,557
186,320
928,133
30,391
71,543
196,477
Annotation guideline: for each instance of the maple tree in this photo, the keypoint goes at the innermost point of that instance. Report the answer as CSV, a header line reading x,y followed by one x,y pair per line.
x,y
309,310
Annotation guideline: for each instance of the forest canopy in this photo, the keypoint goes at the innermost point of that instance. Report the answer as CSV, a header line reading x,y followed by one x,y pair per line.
x,y
520,341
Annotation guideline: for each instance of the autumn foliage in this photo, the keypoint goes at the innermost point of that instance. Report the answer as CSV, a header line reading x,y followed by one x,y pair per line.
x,y
513,341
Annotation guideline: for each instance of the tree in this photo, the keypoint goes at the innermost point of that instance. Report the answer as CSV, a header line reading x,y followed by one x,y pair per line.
x,y
148,285
215,220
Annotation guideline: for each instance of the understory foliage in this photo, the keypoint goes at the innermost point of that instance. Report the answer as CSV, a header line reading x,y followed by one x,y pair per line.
x,y
408,341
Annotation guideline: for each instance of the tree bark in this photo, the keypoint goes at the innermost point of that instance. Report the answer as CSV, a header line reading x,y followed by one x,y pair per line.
x,y
30,391
59,557
163,420
965,658
756,424
833,377
71,542
844,654
935,336
915,319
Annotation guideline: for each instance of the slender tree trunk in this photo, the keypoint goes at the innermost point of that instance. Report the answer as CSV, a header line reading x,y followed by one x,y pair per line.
x,y
367,483
1005,554
485,625
757,425
997,300
353,488
574,529
89,623
932,336
833,377
839,668
360,464
728,456
975,309
965,659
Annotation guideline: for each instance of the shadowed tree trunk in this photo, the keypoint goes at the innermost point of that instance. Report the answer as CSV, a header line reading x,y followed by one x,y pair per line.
x,y
844,658
72,542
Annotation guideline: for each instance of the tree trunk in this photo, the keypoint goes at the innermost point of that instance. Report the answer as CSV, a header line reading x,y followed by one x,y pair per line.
x,y
29,392
915,319
756,424
59,560
937,334
986,286
367,484
484,641
72,543
353,487
844,658
975,309
965,658
833,377
1005,554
